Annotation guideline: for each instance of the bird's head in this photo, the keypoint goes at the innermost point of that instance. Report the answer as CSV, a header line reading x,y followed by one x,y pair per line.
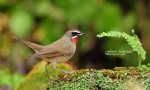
x,y
74,35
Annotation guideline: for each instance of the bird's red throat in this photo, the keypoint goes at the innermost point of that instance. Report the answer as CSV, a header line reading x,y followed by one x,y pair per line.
x,y
74,40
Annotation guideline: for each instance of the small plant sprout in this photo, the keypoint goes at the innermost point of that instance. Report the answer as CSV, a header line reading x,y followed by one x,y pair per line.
x,y
133,41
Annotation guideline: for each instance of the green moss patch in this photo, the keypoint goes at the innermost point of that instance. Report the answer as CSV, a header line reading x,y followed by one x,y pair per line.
x,y
120,78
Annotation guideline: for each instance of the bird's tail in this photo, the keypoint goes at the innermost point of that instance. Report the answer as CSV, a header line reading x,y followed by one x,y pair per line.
x,y
35,47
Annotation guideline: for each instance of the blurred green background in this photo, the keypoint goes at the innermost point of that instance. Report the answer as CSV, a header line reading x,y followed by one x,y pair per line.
x,y
44,21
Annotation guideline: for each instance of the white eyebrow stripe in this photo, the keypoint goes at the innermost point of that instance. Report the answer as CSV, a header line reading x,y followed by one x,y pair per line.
x,y
76,31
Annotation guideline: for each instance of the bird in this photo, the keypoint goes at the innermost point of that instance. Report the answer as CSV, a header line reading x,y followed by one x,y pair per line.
x,y
59,51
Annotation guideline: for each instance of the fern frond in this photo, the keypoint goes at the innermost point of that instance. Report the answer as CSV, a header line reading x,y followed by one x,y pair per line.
x,y
133,41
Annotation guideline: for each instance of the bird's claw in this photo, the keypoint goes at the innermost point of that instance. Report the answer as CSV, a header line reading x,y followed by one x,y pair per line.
x,y
69,73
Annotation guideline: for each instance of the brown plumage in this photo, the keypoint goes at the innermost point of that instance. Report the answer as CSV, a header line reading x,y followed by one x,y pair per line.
x,y
59,51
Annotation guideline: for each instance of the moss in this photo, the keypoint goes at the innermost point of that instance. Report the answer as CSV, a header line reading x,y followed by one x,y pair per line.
x,y
37,79
120,78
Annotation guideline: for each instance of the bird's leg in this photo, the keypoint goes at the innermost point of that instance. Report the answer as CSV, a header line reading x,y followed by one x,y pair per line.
x,y
46,68
54,67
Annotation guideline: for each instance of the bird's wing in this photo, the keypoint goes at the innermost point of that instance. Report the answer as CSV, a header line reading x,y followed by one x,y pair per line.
x,y
51,52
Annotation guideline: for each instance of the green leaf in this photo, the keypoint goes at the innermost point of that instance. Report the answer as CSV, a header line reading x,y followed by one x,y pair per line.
x,y
133,41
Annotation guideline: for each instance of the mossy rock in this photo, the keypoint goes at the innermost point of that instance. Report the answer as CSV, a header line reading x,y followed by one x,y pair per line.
x,y
37,78
120,78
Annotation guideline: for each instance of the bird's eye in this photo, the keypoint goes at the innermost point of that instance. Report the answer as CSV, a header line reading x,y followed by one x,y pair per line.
x,y
75,33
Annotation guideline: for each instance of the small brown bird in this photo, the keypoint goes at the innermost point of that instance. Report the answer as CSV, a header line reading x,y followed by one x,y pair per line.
x,y
59,51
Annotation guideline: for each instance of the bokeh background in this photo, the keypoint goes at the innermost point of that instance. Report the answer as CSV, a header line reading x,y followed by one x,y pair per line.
x,y
44,21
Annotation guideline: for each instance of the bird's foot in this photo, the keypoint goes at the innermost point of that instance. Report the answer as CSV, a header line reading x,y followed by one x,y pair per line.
x,y
69,73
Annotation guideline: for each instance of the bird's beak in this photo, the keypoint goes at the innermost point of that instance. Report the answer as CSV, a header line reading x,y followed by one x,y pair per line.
x,y
82,34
